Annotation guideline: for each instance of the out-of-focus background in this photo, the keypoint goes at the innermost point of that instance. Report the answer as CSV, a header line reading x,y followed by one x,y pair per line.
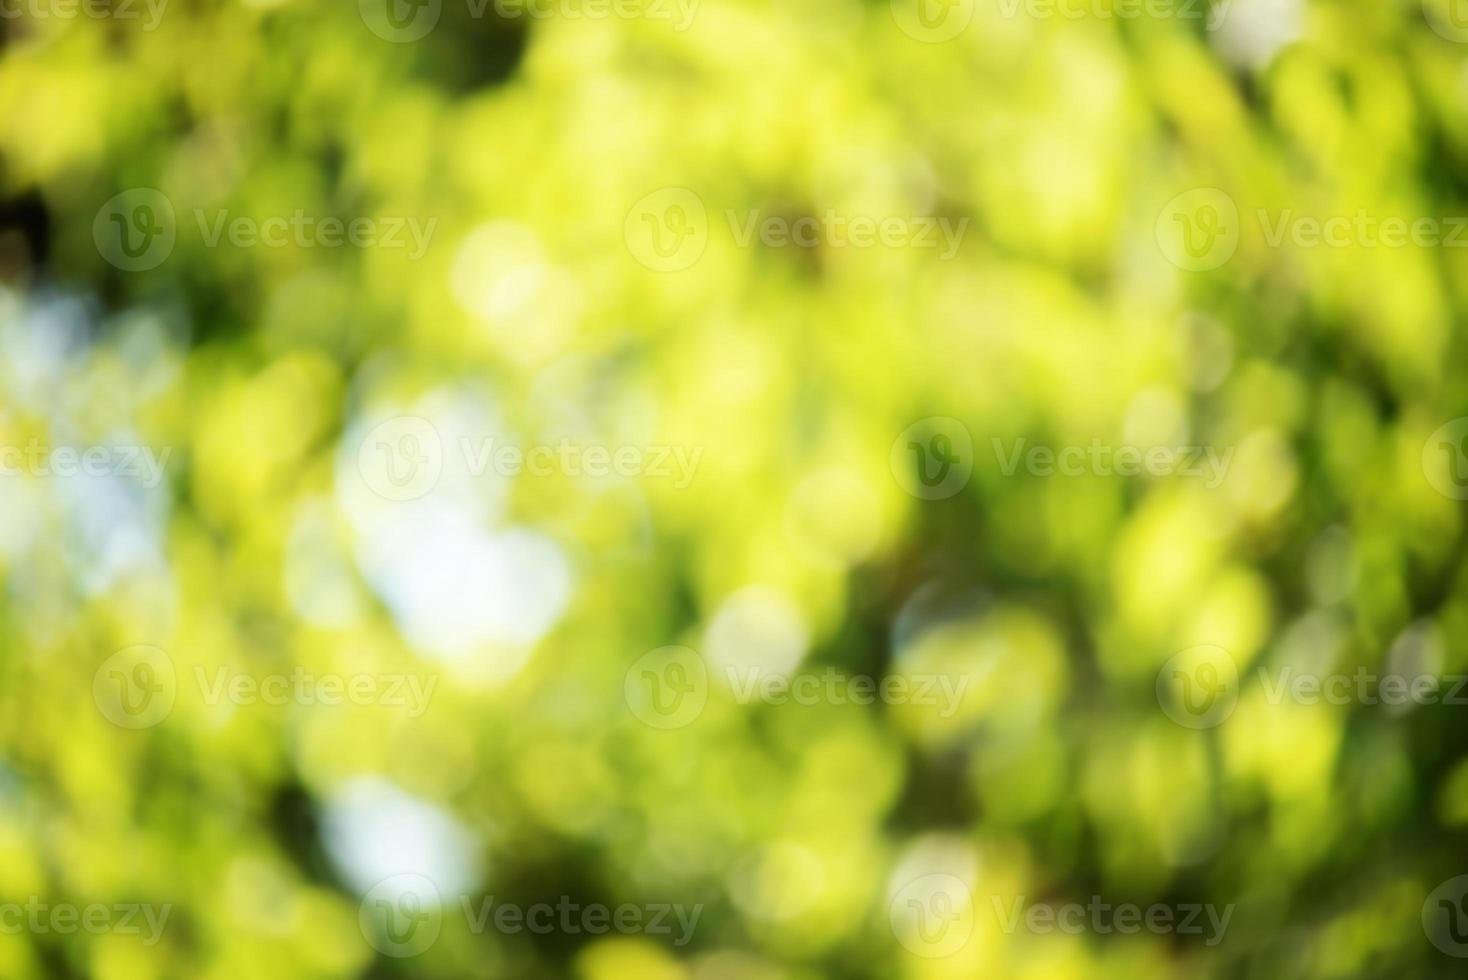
x,y
711,489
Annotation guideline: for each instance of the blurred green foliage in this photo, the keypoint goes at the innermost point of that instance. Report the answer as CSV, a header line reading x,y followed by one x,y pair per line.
x,y
531,318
